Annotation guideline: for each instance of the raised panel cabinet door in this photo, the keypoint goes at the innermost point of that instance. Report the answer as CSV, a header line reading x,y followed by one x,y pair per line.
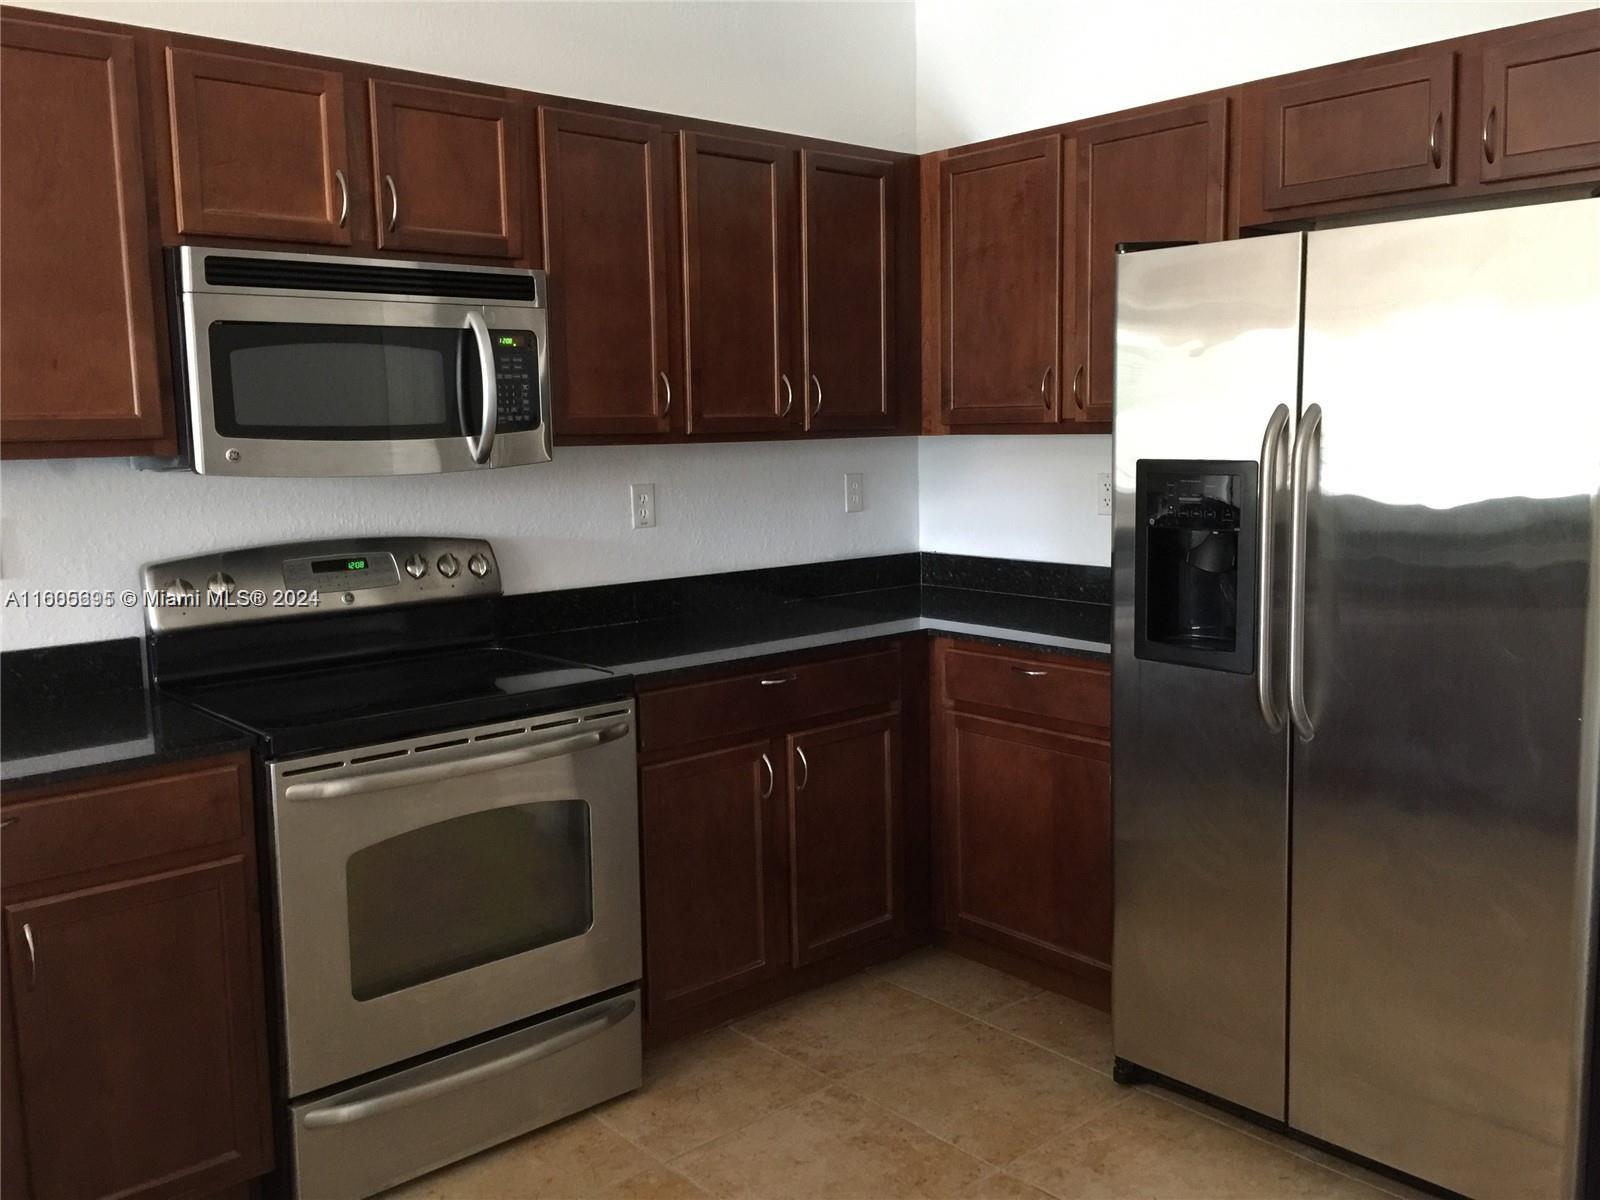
x,y
1028,840
1361,131
1000,216
1541,105
741,276
849,208
845,840
258,148
78,342
611,250
1156,178
447,170
141,1036
713,842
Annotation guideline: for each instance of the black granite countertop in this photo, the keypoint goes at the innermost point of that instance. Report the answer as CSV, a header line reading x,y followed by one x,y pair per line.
x,y
80,711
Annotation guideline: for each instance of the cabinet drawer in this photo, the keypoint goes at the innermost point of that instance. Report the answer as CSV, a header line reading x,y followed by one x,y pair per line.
x,y
700,712
89,830
1053,689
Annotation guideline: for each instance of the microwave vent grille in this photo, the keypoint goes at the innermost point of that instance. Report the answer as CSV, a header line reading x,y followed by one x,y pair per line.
x,y
336,276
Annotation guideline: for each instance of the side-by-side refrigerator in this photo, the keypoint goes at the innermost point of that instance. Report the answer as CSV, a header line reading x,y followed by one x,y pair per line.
x,y
1356,693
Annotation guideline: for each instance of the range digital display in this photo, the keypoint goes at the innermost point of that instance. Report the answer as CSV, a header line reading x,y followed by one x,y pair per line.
x,y
327,566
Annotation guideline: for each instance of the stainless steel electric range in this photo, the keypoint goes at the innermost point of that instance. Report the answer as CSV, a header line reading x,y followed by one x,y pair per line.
x,y
454,846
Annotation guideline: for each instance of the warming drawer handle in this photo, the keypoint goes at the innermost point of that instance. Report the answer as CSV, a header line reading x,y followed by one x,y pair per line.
x,y
377,781
1304,439
565,1032
1266,507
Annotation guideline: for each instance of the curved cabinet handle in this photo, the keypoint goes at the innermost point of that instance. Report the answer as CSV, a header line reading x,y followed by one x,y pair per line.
x,y
766,792
1266,512
1030,672
1300,484
1436,140
788,392
666,385
344,195
1044,385
394,201
33,954
805,766
1488,134
1077,389
817,383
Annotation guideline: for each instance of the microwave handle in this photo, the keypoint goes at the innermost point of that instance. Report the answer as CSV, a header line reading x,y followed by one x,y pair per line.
x,y
480,446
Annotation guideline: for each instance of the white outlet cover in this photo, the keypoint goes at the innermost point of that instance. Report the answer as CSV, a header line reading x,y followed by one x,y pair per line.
x,y
854,495
1103,493
642,497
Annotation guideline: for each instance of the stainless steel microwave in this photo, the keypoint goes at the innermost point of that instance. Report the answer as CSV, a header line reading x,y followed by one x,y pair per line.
x,y
310,365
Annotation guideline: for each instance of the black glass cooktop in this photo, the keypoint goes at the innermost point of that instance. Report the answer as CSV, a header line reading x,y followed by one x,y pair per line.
x,y
308,710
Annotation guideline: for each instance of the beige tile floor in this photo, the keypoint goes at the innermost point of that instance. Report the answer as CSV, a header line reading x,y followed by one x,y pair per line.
x,y
930,1077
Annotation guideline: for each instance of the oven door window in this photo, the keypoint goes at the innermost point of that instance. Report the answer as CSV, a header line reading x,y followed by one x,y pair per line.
x,y
468,891
342,382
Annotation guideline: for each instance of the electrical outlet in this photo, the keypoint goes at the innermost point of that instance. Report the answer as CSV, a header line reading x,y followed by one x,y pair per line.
x,y
644,505
1103,493
854,500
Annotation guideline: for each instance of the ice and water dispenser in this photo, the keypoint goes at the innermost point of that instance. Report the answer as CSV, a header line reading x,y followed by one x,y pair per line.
x,y
1196,568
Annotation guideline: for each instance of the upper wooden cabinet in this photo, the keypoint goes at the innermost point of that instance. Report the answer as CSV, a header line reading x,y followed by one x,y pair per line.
x,y
259,148
1153,178
611,247
740,221
1000,284
447,170
79,336
849,281
1361,131
1541,105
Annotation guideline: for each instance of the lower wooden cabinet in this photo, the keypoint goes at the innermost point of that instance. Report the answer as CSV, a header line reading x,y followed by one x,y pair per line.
x,y
767,854
135,1061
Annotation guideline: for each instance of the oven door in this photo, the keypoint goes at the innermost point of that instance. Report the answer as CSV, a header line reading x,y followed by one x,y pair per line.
x,y
435,889
318,386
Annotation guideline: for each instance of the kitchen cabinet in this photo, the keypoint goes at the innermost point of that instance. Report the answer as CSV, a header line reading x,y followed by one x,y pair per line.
x,y
135,995
740,221
1540,104
1000,231
447,169
259,147
1159,177
80,336
849,215
773,832
1023,802
611,246
1356,130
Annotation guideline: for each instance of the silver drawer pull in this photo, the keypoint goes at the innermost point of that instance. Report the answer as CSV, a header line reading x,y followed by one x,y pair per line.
x,y
1031,672
8,822
776,680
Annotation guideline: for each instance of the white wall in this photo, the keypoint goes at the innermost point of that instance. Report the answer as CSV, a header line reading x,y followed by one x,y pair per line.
x,y
91,524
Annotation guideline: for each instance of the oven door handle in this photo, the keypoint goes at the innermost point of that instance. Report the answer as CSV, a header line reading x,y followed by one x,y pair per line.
x,y
480,446
560,1034
377,781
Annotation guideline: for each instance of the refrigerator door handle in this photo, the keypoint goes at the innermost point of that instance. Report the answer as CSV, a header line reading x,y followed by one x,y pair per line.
x,y
1272,455
1300,485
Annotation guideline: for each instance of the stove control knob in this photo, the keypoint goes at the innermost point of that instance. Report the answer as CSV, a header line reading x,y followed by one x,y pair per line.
x,y
220,586
448,565
478,565
178,591
416,566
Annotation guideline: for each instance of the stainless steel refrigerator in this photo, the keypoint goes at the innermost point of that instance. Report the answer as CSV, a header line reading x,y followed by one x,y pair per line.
x,y
1357,619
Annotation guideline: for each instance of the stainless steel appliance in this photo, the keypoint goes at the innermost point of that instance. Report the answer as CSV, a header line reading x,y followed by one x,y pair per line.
x,y
454,846
1356,576
311,364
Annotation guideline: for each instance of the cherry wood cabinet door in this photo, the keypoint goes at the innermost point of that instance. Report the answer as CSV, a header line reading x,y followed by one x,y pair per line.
x,y
611,250
78,332
138,1027
1541,105
713,848
258,148
1360,131
740,222
447,170
1028,840
1000,307
1155,178
845,868
849,208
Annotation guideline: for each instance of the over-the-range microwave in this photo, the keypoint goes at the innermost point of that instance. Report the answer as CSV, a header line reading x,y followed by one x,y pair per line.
x,y
312,365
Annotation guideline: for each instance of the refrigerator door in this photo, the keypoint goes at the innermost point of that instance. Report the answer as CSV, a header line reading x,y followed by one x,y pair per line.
x,y
1207,361
1443,816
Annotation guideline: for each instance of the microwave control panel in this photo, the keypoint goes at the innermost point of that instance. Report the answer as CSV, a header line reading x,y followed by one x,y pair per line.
x,y
516,373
